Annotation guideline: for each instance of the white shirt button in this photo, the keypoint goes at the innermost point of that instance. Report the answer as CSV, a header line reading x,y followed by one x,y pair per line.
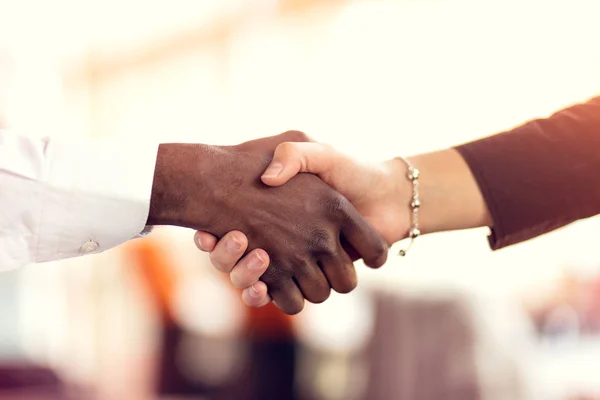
x,y
89,246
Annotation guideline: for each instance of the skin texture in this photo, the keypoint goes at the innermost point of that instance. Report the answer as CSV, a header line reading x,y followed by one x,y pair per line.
x,y
373,188
301,225
450,199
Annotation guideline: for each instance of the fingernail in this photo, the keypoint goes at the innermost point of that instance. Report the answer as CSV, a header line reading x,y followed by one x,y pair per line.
x,y
273,170
198,240
254,292
256,261
233,245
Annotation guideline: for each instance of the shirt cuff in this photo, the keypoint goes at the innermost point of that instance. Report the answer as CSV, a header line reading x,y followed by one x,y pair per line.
x,y
98,197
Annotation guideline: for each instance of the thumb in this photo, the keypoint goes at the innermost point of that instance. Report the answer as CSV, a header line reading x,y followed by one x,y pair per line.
x,y
291,158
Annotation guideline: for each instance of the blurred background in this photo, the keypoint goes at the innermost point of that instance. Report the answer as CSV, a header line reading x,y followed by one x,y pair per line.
x,y
152,320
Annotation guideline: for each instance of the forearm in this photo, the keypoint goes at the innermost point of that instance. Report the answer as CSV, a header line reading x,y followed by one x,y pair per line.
x,y
451,198
522,183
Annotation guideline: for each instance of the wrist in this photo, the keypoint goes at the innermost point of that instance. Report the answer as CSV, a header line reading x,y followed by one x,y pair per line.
x,y
177,165
399,195
161,199
449,195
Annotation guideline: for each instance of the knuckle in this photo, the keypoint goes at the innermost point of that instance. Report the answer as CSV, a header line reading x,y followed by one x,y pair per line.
x,y
337,205
218,263
301,269
239,280
275,276
321,241
346,286
379,255
299,264
238,284
347,281
287,148
295,308
321,296
314,285
296,136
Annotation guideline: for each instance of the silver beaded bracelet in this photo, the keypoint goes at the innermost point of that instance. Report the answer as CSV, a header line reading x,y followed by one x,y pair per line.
x,y
415,203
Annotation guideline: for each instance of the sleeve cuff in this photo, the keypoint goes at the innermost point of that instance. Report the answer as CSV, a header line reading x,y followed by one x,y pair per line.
x,y
98,197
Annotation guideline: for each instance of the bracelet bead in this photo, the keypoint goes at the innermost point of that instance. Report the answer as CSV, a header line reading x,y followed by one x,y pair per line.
x,y
413,175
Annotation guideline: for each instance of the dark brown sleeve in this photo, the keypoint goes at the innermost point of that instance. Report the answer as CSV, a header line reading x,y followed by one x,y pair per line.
x,y
539,176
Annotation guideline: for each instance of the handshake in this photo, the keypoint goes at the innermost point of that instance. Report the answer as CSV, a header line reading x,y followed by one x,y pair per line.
x,y
293,213
296,214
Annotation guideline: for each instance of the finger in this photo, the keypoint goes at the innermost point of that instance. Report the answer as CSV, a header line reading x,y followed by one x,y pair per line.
x,y
340,271
350,251
313,284
228,251
292,158
249,269
256,295
287,296
205,241
364,238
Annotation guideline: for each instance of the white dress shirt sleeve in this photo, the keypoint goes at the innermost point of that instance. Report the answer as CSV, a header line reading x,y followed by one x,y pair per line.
x,y
61,199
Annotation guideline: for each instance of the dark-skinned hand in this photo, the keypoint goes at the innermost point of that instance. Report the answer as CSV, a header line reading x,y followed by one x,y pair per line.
x,y
305,226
